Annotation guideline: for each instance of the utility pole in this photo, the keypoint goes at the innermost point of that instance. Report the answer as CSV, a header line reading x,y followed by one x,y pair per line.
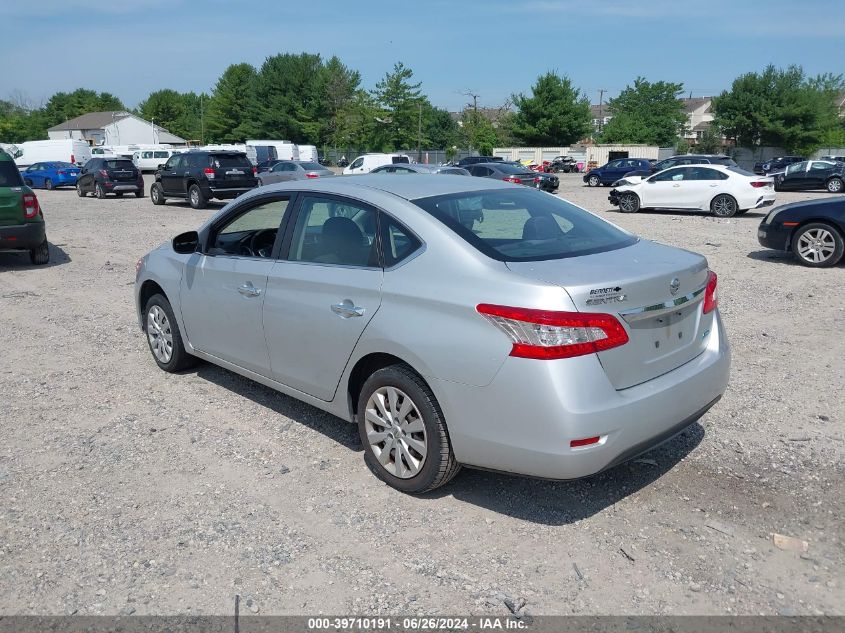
x,y
601,108
419,134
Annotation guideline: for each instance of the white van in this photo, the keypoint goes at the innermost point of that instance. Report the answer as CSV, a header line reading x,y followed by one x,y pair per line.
x,y
285,150
150,159
308,153
368,162
66,150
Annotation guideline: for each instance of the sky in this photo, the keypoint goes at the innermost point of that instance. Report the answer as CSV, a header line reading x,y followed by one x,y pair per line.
x,y
492,48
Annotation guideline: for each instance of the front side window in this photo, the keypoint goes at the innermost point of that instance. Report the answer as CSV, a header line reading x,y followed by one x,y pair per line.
x,y
146,154
252,233
797,167
172,163
524,224
334,231
668,175
358,162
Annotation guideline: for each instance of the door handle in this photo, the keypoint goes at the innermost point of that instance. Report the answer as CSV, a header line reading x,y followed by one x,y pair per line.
x,y
347,309
248,290
676,185
714,185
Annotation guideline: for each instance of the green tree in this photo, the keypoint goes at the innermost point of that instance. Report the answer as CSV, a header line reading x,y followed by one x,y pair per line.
x,y
226,112
710,141
646,112
399,101
68,105
340,85
440,130
780,108
479,133
165,108
556,113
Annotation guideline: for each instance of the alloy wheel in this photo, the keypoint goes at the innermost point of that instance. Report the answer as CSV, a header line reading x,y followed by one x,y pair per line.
x,y
195,196
724,206
396,432
816,245
628,203
159,334
834,186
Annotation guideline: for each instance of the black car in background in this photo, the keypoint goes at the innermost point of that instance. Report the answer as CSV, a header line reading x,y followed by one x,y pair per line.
x,y
474,160
102,176
814,230
685,159
198,176
547,182
509,172
812,174
776,164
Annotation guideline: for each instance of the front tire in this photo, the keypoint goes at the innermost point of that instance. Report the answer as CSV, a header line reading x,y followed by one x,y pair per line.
x,y
195,197
818,245
48,184
156,194
834,185
724,206
594,181
629,203
406,443
164,337
99,191
139,193
40,255
79,191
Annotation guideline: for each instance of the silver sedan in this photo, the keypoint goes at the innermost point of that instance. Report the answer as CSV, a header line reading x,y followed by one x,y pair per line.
x,y
420,168
456,321
293,170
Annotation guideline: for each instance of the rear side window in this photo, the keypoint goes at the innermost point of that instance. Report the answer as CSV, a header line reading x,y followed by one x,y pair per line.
x,y
524,224
397,242
400,159
9,174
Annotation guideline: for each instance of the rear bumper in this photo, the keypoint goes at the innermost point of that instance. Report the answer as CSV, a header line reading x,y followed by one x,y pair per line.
x,y
115,186
524,420
225,193
22,237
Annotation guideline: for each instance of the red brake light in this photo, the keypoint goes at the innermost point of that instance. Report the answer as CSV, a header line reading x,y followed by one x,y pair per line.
x,y
72,159
209,172
311,174
548,335
61,172
711,296
30,206
536,180
512,179
104,174
254,170
760,183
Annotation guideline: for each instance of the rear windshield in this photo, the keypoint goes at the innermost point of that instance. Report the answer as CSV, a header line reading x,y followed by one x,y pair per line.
x,y
60,165
310,166
508,168
524,224
739,170
9,174
223,161
725,160
119,164
400,159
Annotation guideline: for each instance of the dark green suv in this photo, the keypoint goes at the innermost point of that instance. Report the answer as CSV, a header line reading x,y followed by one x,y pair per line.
x,y
21,219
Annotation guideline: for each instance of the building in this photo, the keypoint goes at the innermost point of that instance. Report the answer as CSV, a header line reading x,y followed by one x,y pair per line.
x,y
113,128
699,117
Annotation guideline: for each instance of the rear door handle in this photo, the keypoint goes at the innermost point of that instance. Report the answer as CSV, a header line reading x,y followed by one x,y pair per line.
x,y
346,309
248,290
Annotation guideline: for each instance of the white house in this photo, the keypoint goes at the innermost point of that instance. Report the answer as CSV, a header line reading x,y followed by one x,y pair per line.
x,y
113,128
699,116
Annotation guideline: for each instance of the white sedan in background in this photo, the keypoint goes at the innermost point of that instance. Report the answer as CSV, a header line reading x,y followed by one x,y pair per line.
x,y
725,191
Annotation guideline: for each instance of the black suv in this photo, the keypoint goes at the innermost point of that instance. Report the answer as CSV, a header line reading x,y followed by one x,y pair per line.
x,y
474,160
102,176
685,159
778,163
201,175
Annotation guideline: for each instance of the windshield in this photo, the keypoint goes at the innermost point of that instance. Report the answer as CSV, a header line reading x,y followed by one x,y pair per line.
x,y
524,224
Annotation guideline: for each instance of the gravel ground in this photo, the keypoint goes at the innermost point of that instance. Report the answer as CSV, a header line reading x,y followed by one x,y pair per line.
x,y
127,490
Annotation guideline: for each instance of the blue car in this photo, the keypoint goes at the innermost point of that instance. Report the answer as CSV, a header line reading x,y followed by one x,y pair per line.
x,y
614,170
50,175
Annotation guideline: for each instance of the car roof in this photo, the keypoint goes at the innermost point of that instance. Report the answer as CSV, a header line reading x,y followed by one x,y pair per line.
x,y
408,186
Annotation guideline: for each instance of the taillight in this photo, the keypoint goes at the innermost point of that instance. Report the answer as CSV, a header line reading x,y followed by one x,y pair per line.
x,y
311,174
711,296
512,179
61,172
537,180
30,206
759,183
209,173
254,170
547,335
72,159
104,174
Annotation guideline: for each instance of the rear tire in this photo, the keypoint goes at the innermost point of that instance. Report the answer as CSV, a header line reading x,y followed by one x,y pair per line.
x,y
724,206
48,184
156,194
79,191
398,437
40,255
163,336
99,191
195,197
629,203
834,185
818,245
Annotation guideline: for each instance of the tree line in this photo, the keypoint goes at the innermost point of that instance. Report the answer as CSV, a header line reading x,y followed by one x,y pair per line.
x,y
308,99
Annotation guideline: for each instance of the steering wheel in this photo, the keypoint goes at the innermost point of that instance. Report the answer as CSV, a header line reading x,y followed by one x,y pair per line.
x,y
261,243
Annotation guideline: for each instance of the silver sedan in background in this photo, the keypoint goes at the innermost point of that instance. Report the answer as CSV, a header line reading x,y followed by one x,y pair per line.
x,y
293,170
420,168
456,321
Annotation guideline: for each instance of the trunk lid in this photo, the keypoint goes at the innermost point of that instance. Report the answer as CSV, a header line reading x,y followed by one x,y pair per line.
x,y
232,171
663,319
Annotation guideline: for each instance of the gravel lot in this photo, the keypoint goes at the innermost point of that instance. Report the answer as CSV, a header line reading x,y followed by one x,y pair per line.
x,y
127,490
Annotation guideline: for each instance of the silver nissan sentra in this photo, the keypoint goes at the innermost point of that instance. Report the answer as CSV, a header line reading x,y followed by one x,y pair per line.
x,y
456,320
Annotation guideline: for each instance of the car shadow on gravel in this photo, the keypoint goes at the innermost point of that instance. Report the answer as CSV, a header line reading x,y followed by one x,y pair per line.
x,y
779,257
564,502
19,260
751,214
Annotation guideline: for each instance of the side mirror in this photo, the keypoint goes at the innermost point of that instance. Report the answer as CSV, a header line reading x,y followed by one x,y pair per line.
x,y
186,243
161,165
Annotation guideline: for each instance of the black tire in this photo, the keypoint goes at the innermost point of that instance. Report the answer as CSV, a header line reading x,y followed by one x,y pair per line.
x,y
179,359
139,193
118,194
79,190
195,197
27,182
157,194
835,185
48,184
629,202
439,466
594,181
822,233
99,191
724,206
40,255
